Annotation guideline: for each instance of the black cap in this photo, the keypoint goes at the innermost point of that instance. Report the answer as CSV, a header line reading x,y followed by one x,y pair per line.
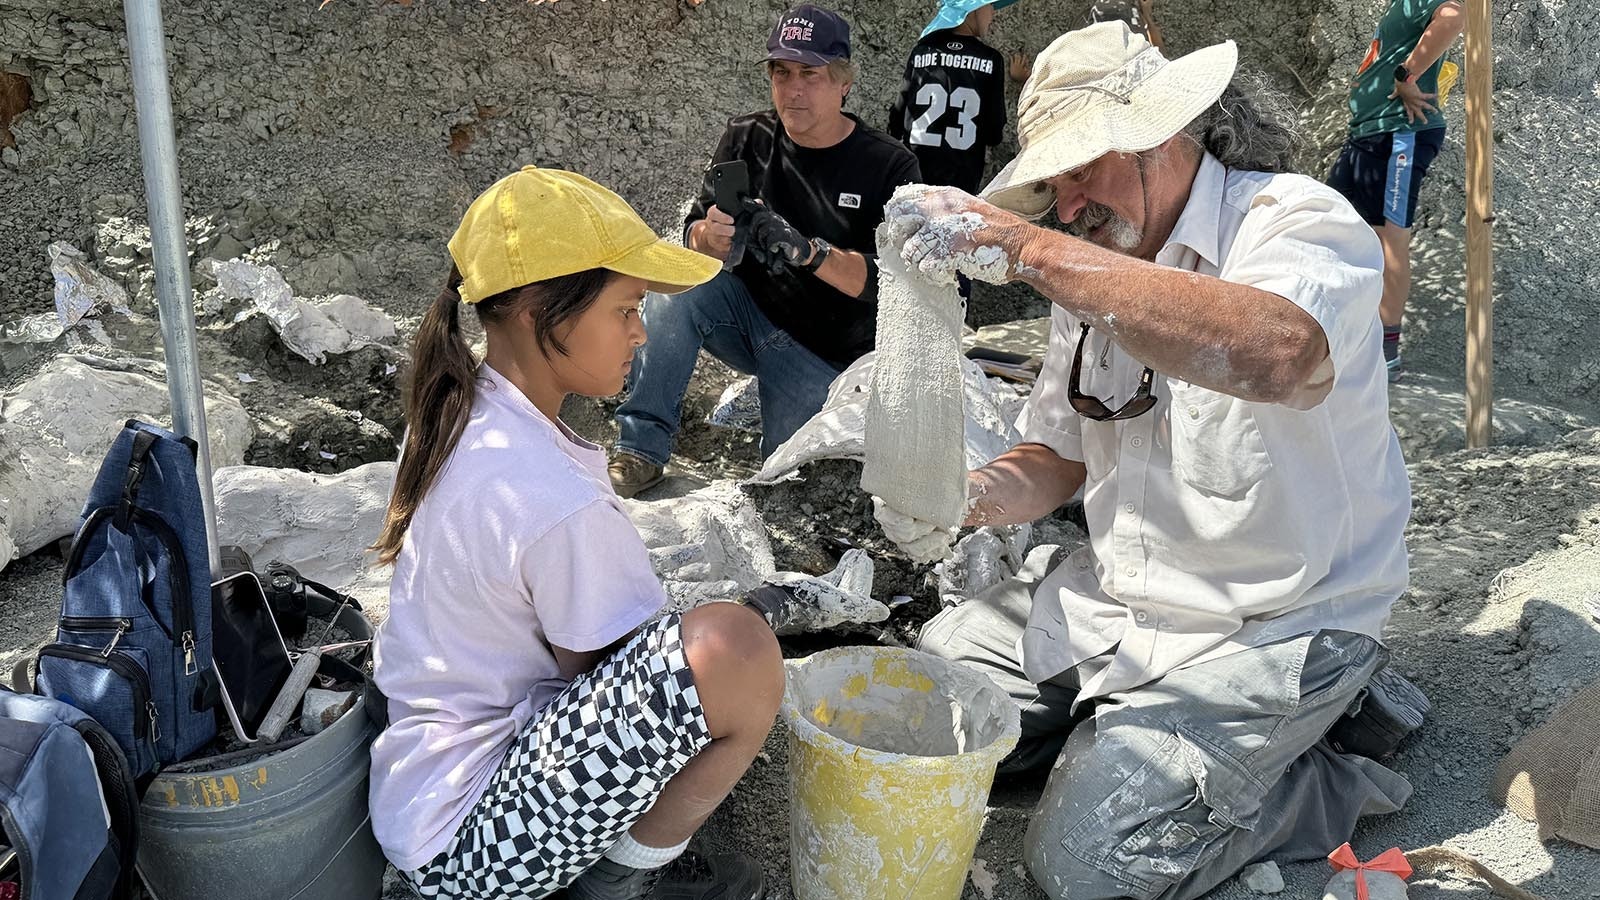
x,y
810,36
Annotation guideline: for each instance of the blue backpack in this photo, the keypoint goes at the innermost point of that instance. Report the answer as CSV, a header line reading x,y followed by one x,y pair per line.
x,y
133,645
68,810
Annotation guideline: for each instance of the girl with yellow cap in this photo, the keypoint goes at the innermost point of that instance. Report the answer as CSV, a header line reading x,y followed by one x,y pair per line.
x,y
547,730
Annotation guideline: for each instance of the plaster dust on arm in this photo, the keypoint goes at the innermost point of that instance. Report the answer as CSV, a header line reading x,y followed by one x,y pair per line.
x,y
915,458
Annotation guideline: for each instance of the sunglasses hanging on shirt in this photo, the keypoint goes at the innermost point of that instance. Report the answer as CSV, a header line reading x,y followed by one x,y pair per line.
x,y
1094,408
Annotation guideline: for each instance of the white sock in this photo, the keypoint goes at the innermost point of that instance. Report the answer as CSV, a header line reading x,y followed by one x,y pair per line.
x,y
635,855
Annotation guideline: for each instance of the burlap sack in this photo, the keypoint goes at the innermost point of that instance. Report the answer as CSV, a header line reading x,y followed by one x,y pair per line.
x,y
1552,776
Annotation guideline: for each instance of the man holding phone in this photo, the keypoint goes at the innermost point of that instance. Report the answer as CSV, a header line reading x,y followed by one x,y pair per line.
x,y
799,303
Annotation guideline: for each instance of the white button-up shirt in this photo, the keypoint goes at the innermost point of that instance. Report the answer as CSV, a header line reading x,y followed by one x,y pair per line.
x,y
1215,523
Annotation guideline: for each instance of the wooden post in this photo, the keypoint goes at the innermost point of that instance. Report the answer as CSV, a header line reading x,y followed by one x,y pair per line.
x,y
1480,246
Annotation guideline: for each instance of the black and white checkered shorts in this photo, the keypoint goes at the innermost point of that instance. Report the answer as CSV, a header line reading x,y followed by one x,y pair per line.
x,y
582,772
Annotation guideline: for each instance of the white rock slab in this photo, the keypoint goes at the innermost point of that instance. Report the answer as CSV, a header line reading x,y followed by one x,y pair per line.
x,y
56,427
320,524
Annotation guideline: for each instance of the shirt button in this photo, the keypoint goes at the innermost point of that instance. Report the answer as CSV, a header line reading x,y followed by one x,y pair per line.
x,y
1131,573
1137,441
1194,412
1128,507
1141,616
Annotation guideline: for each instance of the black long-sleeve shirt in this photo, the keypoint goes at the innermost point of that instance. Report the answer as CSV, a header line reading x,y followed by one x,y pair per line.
x,y
835,193
952,107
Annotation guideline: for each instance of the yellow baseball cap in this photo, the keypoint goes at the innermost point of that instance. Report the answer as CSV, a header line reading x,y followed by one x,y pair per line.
x,y
538,224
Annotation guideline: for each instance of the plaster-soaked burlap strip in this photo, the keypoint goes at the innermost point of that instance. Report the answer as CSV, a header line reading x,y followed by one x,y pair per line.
x,y
914,407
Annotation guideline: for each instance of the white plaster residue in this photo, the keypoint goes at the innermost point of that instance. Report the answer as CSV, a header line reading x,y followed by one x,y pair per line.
x,y
708,545
914,420
939,248
839,430
983,880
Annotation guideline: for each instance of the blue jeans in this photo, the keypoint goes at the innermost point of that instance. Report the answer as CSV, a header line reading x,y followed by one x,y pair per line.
x,y
722,317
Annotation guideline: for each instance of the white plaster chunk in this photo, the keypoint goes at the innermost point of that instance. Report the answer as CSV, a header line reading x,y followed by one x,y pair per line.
x,y
56,427
838,430
982,559
81,290
914,418
311,330
320,524
843,595
707,545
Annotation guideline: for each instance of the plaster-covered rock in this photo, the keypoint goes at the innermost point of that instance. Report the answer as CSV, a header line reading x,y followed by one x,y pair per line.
x,y
320,524
56,427
707,545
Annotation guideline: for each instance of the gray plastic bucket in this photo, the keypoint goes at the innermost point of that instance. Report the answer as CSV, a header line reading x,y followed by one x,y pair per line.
x,y
292,824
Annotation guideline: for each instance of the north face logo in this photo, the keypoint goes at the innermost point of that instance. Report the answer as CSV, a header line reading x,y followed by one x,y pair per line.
x,y
850,201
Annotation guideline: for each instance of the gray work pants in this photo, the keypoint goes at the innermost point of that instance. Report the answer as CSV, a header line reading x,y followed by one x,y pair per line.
x,y
1166,790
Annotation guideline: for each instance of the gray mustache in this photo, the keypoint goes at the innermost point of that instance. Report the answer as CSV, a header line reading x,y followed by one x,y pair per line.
x,y
1093,216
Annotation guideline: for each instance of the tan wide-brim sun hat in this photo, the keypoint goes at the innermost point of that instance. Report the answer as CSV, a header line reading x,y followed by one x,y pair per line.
x,y
1100,90
538,224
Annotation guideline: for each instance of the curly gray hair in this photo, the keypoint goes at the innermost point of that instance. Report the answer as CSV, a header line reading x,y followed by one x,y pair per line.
x,y
1245,128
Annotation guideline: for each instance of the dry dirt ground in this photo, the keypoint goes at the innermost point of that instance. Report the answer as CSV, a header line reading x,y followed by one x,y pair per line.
x,y
1495,629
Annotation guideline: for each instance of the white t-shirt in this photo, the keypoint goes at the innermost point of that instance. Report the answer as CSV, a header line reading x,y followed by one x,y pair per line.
x,y
1215,523
520,544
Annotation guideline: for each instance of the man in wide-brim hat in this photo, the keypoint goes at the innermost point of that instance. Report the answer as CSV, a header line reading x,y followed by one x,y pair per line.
x,y
1215,385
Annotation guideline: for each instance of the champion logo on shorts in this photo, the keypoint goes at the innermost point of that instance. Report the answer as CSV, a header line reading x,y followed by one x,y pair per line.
x,y
850,201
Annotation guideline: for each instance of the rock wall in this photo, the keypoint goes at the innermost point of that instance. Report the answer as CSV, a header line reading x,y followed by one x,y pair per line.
x,y
341,144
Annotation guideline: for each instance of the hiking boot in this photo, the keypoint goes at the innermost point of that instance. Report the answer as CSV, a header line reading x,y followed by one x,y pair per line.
x,y
724,876
1388,709
631,474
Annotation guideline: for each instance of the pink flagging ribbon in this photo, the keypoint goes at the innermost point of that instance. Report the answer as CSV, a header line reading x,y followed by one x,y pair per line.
x,y
1392,861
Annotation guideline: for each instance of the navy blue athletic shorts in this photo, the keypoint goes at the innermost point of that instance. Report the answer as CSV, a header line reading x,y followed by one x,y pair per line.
x,y
1380,174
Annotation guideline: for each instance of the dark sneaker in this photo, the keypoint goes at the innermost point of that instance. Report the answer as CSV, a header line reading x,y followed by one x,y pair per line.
x,y
723,876
631,474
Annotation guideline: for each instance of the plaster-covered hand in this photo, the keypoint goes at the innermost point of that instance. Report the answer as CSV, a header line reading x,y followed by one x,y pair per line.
x,y
983,500
945,231
793,602
776,242
923,541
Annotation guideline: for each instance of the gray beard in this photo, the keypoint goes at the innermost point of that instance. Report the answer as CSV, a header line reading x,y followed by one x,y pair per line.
x,y
1122,233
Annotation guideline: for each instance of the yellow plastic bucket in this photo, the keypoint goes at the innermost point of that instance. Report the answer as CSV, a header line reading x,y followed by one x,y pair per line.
x,y
891,757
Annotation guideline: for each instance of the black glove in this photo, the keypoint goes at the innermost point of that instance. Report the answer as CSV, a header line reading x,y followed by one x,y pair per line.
x,y
776,243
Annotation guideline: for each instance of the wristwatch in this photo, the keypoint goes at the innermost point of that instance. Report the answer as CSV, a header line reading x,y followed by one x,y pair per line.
x,y
1401,73
820,250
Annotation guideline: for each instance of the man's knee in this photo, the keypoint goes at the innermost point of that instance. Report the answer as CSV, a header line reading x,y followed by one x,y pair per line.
x,y
1064,876
1132,811
944,636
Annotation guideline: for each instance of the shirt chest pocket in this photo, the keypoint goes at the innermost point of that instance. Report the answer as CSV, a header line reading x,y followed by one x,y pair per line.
x,y
1216,446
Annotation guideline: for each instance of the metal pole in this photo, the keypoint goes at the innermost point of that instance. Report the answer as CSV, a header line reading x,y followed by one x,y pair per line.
x,y
148,57
1480,213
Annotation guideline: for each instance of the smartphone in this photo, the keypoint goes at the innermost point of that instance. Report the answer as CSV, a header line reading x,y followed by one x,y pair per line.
x,y
730,185
248,654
